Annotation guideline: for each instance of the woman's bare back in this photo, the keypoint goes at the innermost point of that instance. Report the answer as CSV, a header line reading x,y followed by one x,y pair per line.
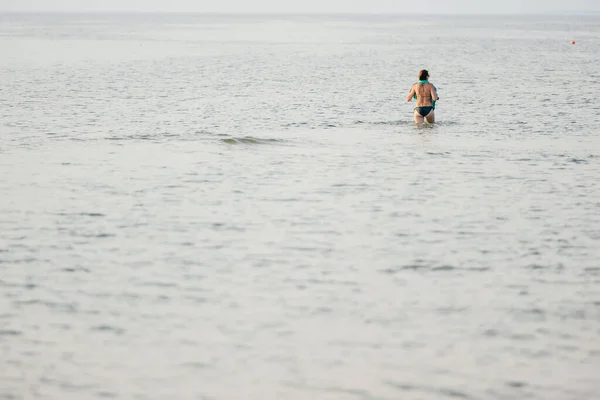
x,y
424,94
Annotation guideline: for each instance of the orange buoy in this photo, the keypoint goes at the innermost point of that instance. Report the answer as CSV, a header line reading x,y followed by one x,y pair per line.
x,y
572,42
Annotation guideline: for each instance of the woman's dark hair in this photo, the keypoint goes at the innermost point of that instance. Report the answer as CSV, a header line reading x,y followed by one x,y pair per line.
x,y
423,75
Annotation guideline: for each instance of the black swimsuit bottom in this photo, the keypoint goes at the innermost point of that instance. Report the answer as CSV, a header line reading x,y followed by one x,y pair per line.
x,y
424,110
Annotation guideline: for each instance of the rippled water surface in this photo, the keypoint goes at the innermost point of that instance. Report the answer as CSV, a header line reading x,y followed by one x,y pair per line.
x,y
240,207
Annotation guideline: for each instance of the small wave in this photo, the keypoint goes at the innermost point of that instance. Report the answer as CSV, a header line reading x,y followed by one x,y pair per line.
x,y
419,266
107,328
454,393
516,384
10,332
444,268
151,137
398,122
444,392
76,269
108,395
404,123
96,235
294,124
209,133
249,140
592,270
446,123
578,161
197,365
81,214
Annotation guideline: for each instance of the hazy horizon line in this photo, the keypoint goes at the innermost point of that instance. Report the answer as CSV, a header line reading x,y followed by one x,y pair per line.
x,y
324,13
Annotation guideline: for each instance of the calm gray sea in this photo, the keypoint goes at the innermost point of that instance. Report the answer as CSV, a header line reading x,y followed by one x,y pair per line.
x,y
240,207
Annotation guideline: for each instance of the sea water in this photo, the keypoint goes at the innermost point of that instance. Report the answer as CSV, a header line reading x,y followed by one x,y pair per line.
x,y
241,207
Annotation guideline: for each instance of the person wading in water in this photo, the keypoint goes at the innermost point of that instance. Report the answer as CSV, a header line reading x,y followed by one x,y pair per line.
x,y
426,97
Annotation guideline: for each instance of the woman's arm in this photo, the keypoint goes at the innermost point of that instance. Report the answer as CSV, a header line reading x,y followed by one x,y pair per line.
x,y
434,95
411,94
